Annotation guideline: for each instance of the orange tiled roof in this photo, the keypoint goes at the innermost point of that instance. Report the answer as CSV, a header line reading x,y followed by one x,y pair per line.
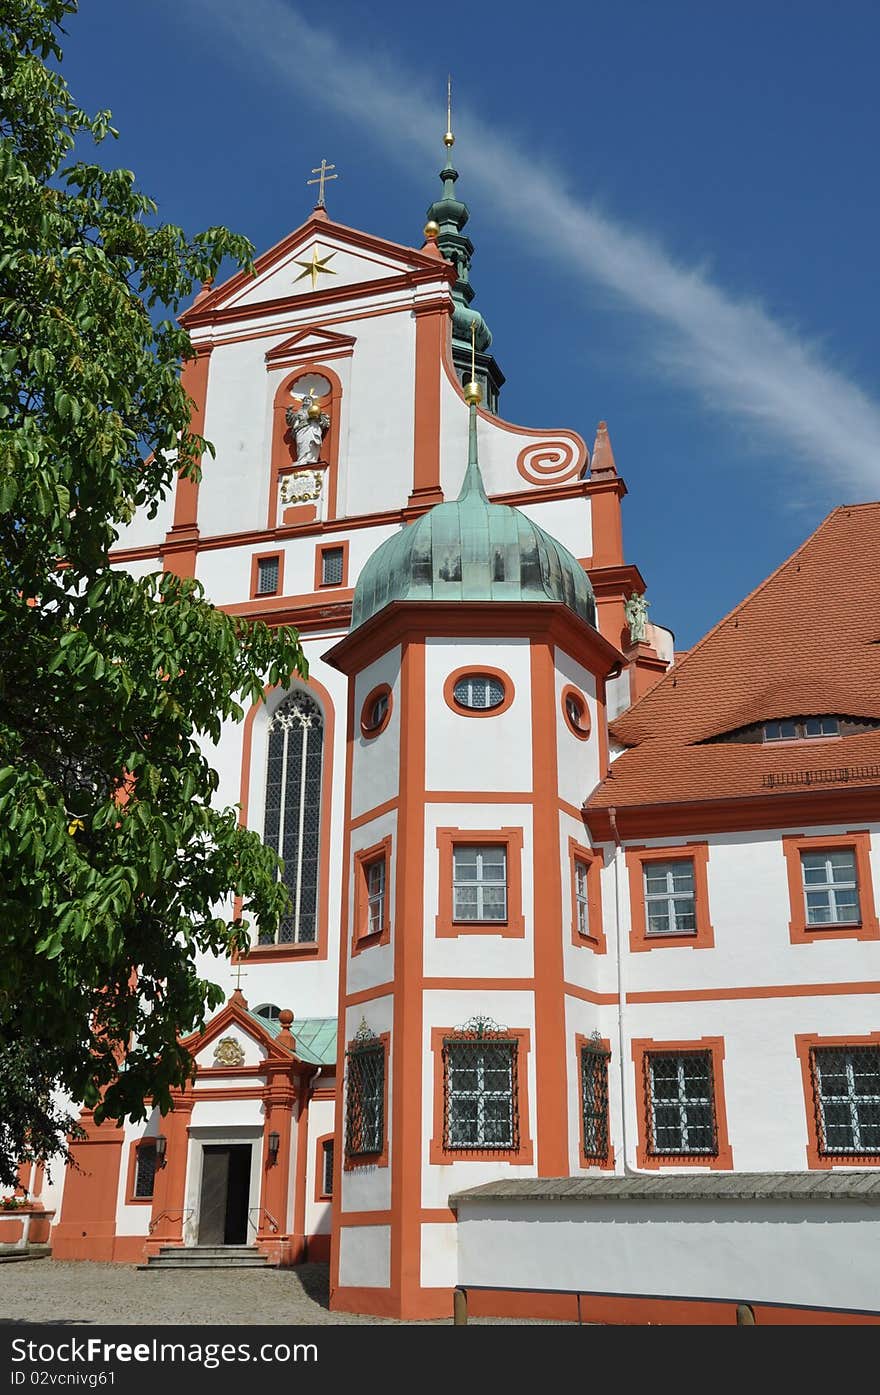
x,y
806,641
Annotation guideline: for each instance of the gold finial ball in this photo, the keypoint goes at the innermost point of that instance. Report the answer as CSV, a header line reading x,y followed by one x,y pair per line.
x,y
432,231
473,394
314,410
449,140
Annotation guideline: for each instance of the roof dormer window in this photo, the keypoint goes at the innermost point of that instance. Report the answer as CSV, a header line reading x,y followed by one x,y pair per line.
x,y
801,728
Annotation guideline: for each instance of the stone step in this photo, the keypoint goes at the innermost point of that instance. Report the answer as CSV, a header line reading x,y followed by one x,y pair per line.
x,y
194,1251
206,1262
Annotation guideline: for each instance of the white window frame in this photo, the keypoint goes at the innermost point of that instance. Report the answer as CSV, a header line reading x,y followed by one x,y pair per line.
x,y
830,887
685,1102
669,896
581,895
481,884
376,886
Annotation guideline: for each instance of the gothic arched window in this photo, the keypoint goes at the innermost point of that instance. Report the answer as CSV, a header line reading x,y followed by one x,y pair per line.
x,y
292,824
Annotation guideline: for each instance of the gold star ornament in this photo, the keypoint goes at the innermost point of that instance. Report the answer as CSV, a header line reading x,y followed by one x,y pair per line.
x,y
315,266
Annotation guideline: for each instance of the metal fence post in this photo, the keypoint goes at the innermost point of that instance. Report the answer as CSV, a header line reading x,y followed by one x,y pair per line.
x,y
459,1307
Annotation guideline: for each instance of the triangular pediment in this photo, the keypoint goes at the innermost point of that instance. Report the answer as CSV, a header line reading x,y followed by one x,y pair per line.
x,y
342,257
310,343
250,1045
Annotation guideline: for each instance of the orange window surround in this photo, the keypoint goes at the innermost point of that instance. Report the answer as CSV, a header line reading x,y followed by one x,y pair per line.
x,y
859,842
593,861
364,859
131,1176
722,1159
637,858
512,840
817,1158
340,545
589,1159
351,1161
321,1144
438,1153
258,557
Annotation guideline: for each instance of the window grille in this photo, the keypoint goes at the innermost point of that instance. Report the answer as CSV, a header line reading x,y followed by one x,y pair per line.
x,y
331,566
479,878
831,892
293,811
327,1168
594,1099
478,690
145,1169
846,1095
680,1097
581,898
481,1098
376,876
670,907
267,576
365,1096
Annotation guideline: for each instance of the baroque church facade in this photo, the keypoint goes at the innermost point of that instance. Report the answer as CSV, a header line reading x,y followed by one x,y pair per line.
x,y
563,903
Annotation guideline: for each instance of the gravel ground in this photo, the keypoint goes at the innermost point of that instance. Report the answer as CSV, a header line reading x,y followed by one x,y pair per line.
x,y
47,1290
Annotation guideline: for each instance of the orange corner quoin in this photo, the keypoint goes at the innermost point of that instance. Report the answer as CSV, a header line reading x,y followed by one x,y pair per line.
x,y
446,1006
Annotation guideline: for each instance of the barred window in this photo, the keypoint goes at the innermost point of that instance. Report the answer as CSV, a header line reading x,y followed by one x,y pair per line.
x,y
581,896
365,1098
145,1169
481,1096
327,1167
846,1091
376,877
268,569
670,904
332,566
594,1100
479,876
478,690
831,892
680,1097
293,811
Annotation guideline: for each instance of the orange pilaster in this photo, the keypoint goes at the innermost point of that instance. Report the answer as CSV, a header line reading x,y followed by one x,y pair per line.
x,y
432,321
168,1215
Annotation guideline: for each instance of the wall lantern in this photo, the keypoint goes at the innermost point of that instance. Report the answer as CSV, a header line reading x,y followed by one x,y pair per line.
x,y
161,1145
274,1145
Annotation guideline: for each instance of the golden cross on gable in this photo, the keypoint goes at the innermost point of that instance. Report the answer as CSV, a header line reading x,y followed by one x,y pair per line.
x,y
323,177
239,974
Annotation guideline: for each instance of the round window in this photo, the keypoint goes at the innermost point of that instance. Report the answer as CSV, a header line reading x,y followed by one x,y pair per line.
x,y
376,711
479,691
576,712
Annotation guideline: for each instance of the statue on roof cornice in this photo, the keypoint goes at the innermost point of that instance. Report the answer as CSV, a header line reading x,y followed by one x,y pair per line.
x,y
309,426
636,612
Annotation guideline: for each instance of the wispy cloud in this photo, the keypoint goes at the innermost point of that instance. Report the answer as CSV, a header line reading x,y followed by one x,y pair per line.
x,y
728,350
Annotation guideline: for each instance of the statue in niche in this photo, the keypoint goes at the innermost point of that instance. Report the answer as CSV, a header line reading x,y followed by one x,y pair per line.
x,y
309,426
636,613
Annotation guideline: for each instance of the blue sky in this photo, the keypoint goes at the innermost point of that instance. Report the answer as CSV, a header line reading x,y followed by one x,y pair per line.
x,y
673,207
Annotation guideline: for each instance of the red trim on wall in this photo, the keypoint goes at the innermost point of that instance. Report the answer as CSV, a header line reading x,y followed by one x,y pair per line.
x,y
513,926
368,732
582,730
362,937
334,546
639,939
478,671
594,861
859,842
257,558
432,328
723,1160
131,1173
319,1193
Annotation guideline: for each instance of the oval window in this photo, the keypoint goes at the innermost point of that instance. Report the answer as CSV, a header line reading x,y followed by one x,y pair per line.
x,y
479,691
577,715
376,711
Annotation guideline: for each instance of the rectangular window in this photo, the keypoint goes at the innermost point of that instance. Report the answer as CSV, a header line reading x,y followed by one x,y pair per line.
x,y
365,1100
479,882
581,898
480,1095
332,566
680,1100
375,874
145,1170
831,893
267,576
670,903
846,1089
327,1167
594,1101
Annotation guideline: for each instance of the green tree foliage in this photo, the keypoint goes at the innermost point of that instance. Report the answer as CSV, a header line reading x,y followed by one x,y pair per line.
x,y
114,865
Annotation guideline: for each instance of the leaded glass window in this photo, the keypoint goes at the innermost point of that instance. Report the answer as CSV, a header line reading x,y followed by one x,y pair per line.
x,y
480,1094
831,892
594,1100
846,1088
680,1100
479,882
293,810
145,1169
478,690
268,570
365,1097
327,1167
670,907
332,566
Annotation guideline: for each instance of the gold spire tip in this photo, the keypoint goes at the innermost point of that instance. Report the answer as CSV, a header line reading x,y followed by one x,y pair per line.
x,y
473,393
449,138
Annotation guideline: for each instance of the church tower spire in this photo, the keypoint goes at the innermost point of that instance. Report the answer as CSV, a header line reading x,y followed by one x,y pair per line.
x,y
450,215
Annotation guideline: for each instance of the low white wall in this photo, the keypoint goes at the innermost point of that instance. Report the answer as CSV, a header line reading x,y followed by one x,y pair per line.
x,y
823,1254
